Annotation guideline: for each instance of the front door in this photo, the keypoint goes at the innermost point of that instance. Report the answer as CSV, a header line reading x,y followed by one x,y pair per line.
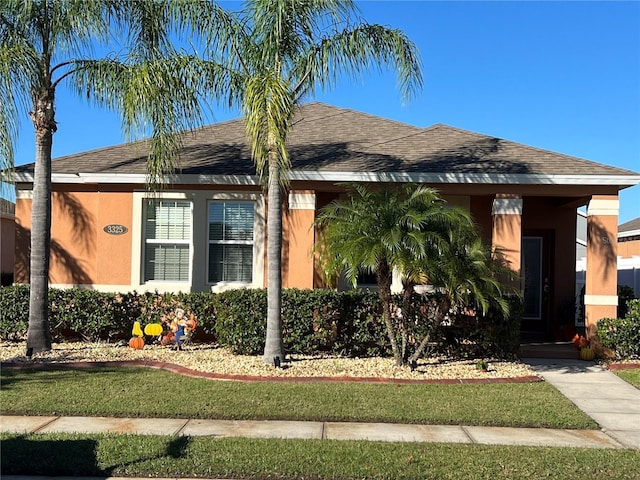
x,y
537,275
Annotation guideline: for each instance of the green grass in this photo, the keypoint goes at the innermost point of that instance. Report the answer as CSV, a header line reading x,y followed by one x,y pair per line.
x,y
152,456
142,392
630,375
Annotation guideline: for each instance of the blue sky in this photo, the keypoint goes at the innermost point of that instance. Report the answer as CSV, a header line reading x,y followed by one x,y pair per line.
x,y
563,76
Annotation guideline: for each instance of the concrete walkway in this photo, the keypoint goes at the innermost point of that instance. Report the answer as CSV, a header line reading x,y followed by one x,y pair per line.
x,y
611,402
381,432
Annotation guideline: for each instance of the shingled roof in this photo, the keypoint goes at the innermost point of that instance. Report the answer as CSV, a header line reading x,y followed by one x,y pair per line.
x,y
331,143
632,227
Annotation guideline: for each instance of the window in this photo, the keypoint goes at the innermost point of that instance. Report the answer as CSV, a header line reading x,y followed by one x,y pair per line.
x,y
167,236
231,225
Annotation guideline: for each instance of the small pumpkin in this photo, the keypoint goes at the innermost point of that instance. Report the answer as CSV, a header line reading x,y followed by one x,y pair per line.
x,y
587,353
153,329
137,343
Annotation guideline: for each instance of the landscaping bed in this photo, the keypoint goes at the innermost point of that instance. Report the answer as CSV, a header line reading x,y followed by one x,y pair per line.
x,y
208,358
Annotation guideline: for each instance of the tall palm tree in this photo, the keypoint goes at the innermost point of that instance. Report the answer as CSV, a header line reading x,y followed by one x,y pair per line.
x,y
407,229
283,50
45,44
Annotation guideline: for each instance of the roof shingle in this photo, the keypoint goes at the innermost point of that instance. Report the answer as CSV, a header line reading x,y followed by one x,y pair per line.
x,y
332,139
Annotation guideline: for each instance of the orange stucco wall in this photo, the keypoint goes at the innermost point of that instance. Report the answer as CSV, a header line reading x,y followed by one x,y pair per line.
x,y
81,252
628,249
506,236
298,240
114,251
602,262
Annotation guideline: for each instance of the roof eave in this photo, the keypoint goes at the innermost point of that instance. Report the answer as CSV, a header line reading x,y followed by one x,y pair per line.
x,y
622,181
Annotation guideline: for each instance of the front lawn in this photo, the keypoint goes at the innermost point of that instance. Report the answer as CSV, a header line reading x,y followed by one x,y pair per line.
x,y
630,375
197,457
140,392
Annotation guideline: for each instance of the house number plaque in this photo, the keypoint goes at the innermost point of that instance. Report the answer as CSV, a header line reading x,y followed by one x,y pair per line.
x,y
115,229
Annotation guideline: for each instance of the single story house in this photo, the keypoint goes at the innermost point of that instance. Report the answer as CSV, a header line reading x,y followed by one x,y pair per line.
x,y
206,231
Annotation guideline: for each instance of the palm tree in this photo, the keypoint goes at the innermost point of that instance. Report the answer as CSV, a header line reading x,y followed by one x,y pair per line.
x,y
282,50
407,229
47,43
465,276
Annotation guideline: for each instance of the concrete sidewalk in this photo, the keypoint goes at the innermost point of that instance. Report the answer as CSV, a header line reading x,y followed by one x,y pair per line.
x,y
381,432
610,401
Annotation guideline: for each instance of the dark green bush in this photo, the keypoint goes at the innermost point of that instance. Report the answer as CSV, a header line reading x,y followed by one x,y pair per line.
x,y
14,312
310,320
345,323
361,331
622,335
240,317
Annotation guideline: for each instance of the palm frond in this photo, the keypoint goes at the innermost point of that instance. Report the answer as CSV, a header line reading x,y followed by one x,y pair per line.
x,y
268,109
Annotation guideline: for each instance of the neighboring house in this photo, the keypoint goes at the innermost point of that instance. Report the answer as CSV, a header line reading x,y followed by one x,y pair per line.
x,y
628,252
7,239
207,230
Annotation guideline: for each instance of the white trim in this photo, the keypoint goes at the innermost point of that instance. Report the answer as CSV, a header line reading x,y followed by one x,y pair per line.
x,y
302,201
601,300
628,233
599,206
507,206
237,196
24,194
481,178
332,176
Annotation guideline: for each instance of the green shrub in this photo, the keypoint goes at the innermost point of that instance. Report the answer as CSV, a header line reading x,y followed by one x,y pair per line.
x,y
361,330
310,320
240,317
622,335
14,312
344,323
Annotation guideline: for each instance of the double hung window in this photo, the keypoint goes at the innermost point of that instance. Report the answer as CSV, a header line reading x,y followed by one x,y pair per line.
x,y
167,239
231,228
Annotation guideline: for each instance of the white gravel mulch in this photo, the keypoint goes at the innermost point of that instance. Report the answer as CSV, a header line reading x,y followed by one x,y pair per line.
x,y
209,358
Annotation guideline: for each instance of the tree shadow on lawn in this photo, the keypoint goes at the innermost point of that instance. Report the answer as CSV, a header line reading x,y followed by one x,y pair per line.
x,y
30,455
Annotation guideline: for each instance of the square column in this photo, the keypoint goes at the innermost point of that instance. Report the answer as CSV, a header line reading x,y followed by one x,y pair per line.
x,y
601,287
506,236
298,240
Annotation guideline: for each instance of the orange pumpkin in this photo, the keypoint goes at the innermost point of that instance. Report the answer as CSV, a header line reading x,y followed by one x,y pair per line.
x,y
137,343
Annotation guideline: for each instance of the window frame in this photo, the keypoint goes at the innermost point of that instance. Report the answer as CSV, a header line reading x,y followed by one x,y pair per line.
x,y
148,203
259,239
210,242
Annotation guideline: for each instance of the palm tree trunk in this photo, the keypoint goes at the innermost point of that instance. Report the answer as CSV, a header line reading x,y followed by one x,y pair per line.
x,y
438,317
383,275
38,336
274,346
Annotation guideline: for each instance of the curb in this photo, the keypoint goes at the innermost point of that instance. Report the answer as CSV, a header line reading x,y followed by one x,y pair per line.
x,y
169,367
623,366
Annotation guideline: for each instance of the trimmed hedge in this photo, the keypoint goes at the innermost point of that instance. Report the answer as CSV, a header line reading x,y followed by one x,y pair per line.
x,y
345,323
622,335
